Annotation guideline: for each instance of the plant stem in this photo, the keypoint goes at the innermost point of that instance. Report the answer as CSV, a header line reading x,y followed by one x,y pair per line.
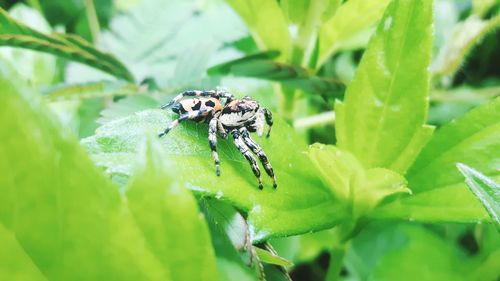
x,y
315,120
92,19
336,260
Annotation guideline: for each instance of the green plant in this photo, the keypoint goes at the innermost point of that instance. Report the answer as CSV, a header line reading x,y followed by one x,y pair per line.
x,y
155,210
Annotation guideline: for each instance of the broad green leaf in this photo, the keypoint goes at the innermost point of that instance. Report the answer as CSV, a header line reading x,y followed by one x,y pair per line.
x,y
360,189
266,23
271,258
169,218
485,189
65,215
439,190
90,90
460,42
290,75
351,18
15,264
377,254
16,34
382,119
299,204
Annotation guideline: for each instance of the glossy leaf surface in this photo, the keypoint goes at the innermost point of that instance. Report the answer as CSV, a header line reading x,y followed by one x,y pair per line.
x,y
300,203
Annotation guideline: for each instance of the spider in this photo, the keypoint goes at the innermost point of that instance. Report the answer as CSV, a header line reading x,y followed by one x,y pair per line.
x,y
237,117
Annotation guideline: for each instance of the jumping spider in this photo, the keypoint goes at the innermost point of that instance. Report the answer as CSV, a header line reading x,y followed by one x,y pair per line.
x,y
236,116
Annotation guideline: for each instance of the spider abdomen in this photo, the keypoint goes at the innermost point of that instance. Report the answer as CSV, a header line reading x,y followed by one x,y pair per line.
x,y
203,104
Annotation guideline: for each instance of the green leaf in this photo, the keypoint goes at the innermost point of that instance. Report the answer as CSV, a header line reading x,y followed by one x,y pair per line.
x,y
460,42
66,216
16,34
271,258
266,23
350,19
472,139
15,264
485,189
66,12
271,212
257,66
381,121
169,218
439,191
337,168
376,254
360,189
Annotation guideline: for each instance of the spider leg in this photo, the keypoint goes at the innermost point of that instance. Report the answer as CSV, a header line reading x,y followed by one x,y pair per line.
x,y
218,94
185,116
221,129
212,141
260,153
269,120
242,147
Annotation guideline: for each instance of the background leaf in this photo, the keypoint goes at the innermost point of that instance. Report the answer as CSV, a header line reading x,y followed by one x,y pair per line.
x,y
16,34
376,254
290,75
381,121
439,193
169,218
460,42
33,66
15,263
167,53
351,18
66,216
90,90
266,23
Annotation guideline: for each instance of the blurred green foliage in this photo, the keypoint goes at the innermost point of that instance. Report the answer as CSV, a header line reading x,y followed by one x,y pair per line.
x,y
88,192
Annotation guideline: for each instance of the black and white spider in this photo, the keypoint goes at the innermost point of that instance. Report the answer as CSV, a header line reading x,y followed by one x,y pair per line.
x,y
236,116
